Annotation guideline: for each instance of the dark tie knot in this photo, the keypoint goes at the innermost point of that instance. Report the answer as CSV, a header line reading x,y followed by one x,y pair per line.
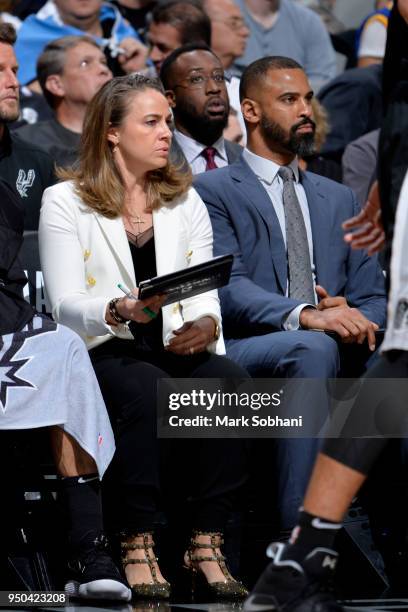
x,y
209,153
286,173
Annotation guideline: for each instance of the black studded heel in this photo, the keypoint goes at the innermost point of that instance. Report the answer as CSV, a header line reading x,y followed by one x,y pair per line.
x,y
155,589
227,589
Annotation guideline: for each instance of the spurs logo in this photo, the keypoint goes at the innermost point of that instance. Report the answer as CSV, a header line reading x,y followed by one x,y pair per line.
x,y
401,314
24,181
10,366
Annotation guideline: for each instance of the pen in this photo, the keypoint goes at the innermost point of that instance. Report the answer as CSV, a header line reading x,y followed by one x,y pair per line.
x,y
127,291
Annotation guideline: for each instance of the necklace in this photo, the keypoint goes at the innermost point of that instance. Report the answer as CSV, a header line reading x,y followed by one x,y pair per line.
x,y
136,220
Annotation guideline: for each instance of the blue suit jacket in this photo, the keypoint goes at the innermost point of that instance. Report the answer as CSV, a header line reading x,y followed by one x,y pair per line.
x,y
245,224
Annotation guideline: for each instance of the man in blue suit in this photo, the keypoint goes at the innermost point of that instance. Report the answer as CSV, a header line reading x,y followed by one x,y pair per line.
x,y
292,272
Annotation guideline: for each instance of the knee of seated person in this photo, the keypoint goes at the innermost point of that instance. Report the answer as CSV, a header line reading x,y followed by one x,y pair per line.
x,y
317,355
137,394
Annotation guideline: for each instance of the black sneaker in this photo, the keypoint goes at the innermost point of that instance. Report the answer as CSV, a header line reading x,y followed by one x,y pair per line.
x,y
95,575
289,586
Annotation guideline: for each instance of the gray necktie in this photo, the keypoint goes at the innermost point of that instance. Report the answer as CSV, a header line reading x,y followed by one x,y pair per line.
x,y
299,266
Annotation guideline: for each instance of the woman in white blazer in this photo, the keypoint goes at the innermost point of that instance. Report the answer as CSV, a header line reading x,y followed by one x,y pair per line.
x,y
126,214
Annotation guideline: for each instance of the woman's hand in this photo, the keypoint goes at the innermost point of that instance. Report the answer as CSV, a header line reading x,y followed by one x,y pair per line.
x,y
193,337
140,311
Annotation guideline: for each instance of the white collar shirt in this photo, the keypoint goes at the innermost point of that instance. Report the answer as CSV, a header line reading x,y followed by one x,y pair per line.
x,y
193,152
267,172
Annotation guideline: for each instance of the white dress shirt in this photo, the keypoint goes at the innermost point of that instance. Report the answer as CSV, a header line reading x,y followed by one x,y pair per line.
x,y
267,172
193,152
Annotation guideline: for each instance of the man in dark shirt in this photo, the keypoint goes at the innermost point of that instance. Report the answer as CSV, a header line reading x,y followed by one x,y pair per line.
x,y
26,404
28,169
136,12
70,70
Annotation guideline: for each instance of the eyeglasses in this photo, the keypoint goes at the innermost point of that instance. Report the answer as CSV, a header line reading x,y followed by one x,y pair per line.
x,y
234,23
198,81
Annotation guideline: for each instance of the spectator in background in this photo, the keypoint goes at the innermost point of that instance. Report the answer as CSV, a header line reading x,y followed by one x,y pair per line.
x,y
24,8
314,162
353,101
194,81
33,108
70,71
136,12
175,23
6,16
100,20
283,27
229,32
229,35
27,168
325,10
359,164
372,35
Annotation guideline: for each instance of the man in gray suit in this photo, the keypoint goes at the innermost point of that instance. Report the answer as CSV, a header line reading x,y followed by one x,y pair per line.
x,y
195,85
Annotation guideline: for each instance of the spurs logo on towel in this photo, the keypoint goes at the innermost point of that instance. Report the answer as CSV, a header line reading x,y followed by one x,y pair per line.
x,y
24,181
8,372
9,367
401,315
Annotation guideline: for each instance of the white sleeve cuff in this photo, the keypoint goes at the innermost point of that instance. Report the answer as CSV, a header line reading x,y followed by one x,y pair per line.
x,y
292,321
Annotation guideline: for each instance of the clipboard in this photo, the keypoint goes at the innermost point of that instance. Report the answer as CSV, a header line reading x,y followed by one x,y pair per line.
x,y
189,282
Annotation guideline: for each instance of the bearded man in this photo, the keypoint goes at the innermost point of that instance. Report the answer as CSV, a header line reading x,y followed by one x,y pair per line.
x,y
24,166
195,85
293,275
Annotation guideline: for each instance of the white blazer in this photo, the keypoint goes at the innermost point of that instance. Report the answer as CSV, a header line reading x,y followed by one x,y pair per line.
x,y
84,256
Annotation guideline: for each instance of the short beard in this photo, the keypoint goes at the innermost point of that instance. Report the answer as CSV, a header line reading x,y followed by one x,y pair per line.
x,y
9,116
201,127
298,144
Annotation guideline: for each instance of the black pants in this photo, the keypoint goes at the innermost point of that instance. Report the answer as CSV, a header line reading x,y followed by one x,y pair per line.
x,y
361,453
209,472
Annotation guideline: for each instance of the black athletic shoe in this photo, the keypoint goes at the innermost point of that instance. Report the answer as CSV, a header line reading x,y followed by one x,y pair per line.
x,y
289,586
94,575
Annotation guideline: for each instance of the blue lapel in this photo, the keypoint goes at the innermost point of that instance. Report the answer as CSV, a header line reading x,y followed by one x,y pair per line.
x,y
251,188
319,211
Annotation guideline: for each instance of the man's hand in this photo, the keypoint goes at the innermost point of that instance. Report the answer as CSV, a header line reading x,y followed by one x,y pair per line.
x,y
327,301
348,323
371,234
193,337
135,55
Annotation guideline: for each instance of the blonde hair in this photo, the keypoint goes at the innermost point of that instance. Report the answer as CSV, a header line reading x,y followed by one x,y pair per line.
x,y
321,118
96,177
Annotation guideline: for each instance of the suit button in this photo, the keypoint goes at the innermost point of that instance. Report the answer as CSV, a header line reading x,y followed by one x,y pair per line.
x,y
91,281
87,254
176,308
